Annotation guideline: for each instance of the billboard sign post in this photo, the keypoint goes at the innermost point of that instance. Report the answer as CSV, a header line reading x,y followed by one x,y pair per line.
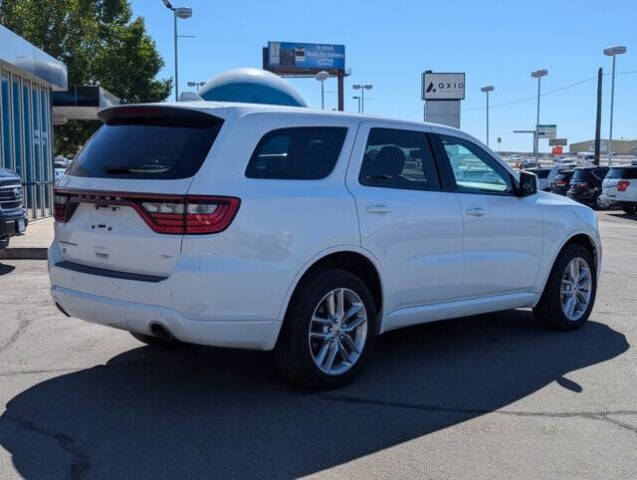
x,y
442,93
306,59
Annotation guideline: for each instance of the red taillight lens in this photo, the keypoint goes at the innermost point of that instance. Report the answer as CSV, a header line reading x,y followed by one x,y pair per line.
x,y
560,183
622,185
170,214
210,214
60,201
580,185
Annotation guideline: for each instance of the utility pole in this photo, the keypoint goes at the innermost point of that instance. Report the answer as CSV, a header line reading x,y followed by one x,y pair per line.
x,y
598,120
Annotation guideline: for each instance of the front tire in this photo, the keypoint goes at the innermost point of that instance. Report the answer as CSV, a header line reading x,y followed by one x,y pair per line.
x,y
569,294
329,331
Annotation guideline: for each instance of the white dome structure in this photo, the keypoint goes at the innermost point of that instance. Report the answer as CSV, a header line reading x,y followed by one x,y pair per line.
x,y
251,85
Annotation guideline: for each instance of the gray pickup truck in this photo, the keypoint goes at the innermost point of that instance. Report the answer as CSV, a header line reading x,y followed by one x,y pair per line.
x,y
12,214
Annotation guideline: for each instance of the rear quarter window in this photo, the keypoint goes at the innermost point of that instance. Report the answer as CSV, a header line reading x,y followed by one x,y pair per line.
x,y
630,173
615,173
297,153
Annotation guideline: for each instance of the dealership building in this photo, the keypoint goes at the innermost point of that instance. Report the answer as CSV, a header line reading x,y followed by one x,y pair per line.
x,y
620,147
35,95
28,77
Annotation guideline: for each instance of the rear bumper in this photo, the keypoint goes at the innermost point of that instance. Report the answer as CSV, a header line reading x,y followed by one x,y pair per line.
x,y
137,317
582,196
204,301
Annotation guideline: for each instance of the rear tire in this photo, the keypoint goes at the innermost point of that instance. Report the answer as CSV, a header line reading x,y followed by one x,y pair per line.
x,y
155,341
555,309
329,331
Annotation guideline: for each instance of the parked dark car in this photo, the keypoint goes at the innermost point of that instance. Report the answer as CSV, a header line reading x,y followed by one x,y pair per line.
x,y
586,185
542,174
561,182
12,214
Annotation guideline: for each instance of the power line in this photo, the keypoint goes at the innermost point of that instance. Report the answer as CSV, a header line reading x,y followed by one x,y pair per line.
x,y
550,92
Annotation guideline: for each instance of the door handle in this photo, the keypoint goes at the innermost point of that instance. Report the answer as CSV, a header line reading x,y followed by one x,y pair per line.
x,y
378,209
475,212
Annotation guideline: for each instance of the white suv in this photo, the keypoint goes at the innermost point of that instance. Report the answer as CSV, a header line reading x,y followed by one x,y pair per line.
x,y
620,186
306,232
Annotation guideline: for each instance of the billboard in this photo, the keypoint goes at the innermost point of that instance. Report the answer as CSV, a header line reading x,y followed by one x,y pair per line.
x,y
546,131
443,86
557,141
288,57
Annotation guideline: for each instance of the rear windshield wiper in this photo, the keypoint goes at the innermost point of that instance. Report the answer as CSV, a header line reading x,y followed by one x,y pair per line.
x,y
123,169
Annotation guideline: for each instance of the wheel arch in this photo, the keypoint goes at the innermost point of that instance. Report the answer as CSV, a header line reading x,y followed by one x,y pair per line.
x,y
577,238
356,260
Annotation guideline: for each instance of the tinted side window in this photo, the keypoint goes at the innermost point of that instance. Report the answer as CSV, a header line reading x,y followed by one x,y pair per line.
x,y
615,173
474,170
630,173
299,153
398,159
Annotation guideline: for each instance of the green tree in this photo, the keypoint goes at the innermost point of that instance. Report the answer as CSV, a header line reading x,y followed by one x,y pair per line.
x,y
100,43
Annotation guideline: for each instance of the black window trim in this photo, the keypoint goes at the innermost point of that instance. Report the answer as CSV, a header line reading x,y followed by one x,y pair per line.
x,y
451,184
436,188
292,127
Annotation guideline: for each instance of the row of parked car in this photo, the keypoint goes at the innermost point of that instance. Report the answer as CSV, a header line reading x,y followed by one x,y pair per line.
x,y
595,186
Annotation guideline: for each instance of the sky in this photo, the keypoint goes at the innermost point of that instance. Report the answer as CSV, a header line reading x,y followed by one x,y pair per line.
x,y
390,43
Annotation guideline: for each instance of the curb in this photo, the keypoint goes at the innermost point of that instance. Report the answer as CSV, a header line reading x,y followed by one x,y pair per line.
x,y
32,253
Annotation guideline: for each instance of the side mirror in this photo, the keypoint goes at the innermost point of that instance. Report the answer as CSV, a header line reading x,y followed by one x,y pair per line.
x,y
527,184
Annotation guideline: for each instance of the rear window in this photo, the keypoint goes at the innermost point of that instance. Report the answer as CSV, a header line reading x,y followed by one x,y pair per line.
x,y
615,173
541,173
630,173
162,147
299,153
580,175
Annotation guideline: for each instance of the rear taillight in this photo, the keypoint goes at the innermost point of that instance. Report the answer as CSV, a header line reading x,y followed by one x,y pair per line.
x,y
560,183
60,201
622,185
210,214
170,214
580,185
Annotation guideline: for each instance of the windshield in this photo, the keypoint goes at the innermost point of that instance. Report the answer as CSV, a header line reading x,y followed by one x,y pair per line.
x,y
147,149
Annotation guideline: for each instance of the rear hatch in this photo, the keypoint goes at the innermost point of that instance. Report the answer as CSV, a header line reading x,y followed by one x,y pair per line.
x,y
123,204
609,185
582,179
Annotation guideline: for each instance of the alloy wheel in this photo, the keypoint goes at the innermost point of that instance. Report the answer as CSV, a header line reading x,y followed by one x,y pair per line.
x,y
338,330
575,291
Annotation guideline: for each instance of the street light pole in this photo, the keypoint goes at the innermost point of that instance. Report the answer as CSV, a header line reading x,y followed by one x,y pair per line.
x,y
358,106
362,88
612,52
321,77
487,89
536,140
176,61
183,13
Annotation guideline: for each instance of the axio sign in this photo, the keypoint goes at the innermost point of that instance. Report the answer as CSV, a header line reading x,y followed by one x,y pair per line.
x,y
443,86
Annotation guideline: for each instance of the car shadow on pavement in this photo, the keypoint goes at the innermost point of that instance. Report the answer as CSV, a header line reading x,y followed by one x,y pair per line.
x,y
627,216
198,412
4,269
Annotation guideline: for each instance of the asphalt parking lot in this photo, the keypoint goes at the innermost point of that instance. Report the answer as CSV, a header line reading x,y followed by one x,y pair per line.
x,y
494,396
